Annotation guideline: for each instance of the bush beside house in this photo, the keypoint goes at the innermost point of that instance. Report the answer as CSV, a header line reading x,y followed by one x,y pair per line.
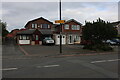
x,y
96,32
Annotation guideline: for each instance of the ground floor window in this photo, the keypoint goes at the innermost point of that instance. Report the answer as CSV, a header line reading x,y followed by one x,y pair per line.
x,y
76,38
24,37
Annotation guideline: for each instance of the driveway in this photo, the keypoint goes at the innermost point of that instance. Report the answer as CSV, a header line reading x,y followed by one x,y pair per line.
x,y
40,50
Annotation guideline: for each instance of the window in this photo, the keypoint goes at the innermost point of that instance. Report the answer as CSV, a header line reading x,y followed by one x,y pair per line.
x,y
76,38
78,27
75,27
33,26
27,37
36,37
20,37
40,25
66,26
45,26
48,26
24,37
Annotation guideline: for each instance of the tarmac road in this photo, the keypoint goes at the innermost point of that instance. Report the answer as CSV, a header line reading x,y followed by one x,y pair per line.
x,y
18,65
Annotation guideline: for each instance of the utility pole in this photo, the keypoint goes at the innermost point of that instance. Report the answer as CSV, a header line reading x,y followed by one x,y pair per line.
x,y
60,29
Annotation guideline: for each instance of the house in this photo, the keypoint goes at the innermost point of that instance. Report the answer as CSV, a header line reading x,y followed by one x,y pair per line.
x,y
117,26
71,32
36,30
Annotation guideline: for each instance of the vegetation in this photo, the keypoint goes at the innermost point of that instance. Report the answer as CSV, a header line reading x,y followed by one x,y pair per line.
x,y
3,30
98,31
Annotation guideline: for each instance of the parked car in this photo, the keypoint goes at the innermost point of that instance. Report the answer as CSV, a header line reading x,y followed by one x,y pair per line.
x,y
111,42
48,40
116,40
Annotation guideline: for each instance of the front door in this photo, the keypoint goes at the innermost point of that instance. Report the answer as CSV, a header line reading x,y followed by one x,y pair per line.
x,y
70,39
36,39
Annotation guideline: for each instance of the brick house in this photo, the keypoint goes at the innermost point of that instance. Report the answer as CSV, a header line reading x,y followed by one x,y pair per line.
x,y
36,30
71,32
117,26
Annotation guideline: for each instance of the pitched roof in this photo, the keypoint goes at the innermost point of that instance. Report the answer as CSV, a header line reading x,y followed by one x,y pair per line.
x,y
28,31
31,31
46,31
38,19
73,20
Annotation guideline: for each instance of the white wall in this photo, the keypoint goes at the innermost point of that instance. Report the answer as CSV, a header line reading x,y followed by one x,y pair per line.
x,y
24,41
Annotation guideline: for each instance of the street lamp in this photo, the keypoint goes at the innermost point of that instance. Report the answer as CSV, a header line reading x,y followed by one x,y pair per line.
x,y
60,29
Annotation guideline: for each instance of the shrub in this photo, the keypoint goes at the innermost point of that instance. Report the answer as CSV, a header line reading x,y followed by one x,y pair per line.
x,y
98,47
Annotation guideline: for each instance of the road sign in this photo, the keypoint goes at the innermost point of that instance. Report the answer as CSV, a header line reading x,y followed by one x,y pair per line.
x,y
59,21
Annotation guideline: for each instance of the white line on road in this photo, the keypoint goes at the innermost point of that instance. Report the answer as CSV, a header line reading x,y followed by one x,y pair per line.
x,y
51,66
48,66
6,69
105,61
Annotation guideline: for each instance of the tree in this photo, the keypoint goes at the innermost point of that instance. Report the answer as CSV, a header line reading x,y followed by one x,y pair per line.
x,y
3,29
99,31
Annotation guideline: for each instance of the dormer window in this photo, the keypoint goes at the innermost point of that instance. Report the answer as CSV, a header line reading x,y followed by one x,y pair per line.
x,y
66,26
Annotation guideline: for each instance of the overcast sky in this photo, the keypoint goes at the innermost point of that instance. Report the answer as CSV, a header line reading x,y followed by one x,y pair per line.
x,y
17,14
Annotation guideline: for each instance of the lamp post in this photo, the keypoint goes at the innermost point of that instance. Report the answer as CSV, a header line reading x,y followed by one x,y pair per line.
x,y
60,28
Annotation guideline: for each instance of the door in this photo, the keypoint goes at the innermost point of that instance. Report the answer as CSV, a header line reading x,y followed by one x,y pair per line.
x,y
63,39
36,39
57,40
70,39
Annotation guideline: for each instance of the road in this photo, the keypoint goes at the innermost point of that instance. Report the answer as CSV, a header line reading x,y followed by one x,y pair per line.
x,y
17,65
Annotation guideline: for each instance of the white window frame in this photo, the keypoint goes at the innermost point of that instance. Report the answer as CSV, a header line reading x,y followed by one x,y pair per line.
x,y
78,27
48,26
27,37
40,25
73,27
66,26
20,37
33,25
24,37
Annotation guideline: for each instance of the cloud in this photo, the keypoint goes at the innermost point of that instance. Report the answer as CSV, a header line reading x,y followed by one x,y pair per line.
x,y
17,14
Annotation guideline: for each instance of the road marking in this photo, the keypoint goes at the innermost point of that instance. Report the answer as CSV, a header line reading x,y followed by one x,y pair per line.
x,y
51,66
48,66
6,69
105,61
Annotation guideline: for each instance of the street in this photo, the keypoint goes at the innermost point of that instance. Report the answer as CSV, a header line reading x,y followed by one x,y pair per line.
x,y
18,65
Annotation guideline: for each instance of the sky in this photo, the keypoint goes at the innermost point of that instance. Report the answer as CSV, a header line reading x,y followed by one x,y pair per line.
x,y
17,14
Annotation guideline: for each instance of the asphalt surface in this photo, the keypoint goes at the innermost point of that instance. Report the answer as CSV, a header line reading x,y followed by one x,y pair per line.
x,y
18,65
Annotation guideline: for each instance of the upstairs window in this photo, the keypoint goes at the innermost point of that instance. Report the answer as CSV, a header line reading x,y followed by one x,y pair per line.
x,y
78,27
75,27
36,25
66,26
45,26
33,25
